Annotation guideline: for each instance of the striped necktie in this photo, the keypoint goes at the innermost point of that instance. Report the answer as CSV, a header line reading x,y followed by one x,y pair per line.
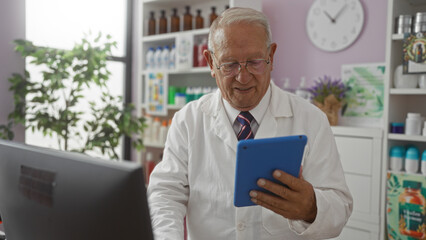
x,y
245,118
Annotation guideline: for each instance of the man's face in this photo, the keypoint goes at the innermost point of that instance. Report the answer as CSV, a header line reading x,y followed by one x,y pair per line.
x,y
240,43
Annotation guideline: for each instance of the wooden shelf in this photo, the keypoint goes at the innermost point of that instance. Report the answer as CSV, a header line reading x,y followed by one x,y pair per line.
x,y
153,145
403,137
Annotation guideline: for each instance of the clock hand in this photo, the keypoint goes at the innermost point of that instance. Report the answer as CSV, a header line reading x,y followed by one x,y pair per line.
x,y
340,12
328,15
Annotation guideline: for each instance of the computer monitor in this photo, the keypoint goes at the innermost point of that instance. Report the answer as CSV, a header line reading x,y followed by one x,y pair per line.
x,y
47,194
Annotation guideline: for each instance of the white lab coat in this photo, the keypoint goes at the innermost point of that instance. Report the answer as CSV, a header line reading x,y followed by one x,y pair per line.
x,y
196,175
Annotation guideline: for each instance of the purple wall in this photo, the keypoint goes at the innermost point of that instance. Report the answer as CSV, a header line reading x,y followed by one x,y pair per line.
x,y
296,56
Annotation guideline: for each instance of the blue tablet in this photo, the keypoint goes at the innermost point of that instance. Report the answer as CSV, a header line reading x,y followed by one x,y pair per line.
x,y
258,158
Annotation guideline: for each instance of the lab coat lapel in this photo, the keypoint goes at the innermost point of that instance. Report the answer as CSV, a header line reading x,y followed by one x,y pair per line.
x,y
268,126
279,107
220,124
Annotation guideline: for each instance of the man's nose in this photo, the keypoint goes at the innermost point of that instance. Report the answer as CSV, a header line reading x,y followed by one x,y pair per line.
x,y
244,75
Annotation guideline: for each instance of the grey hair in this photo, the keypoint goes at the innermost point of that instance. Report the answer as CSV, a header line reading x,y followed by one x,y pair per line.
x,y
239,15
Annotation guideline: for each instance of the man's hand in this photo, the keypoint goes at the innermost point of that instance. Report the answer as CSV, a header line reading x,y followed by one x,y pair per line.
x,y
295,202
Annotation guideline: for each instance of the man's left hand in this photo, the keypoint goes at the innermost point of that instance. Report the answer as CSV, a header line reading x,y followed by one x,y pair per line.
x,y
296,201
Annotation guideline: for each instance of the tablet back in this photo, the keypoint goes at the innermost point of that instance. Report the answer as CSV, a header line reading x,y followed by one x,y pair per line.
x,y
258,158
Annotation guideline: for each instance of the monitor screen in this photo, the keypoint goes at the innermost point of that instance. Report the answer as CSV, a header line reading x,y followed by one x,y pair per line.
x,y
47,194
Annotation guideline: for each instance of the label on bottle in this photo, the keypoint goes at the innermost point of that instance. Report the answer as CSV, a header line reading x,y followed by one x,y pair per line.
x,y
411,218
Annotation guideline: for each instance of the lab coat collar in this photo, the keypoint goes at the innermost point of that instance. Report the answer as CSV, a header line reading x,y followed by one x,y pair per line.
x,y
279,107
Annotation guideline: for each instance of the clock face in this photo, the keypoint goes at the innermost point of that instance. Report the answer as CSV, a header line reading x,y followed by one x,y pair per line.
x,y
333,25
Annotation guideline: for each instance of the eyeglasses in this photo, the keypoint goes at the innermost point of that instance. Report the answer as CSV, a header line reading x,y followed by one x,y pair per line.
x,y
231,69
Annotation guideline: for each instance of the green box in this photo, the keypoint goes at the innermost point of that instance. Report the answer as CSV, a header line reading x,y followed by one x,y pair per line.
x,y
403,215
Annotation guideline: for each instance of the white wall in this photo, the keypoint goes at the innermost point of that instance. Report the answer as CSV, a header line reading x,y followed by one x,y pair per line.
x,y
12,26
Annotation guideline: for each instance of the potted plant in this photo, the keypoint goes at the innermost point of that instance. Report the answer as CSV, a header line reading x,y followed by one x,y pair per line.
x,y
54,104
328,95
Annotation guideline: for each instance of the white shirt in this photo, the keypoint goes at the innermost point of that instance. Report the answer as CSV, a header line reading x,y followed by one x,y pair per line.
x,y
258,112
196,176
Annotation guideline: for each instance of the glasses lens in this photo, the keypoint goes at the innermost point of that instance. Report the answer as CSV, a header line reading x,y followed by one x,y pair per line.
x,y
256,66
230,69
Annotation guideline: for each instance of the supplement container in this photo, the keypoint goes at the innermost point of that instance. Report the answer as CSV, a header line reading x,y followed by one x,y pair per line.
x,y
424,129
422,81
411,205
401,80
423,167
396,158
413,124
397,127
420,22
412,160
403,24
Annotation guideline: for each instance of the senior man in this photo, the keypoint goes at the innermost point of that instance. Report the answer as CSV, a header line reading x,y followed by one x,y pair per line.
x,y
196,177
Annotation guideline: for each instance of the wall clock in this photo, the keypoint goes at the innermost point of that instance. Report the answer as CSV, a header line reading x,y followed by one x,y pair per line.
x,y
333,25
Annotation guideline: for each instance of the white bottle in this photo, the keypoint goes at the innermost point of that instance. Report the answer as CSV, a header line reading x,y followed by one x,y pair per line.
x,y
424,129
165,57
157,57
156,130
396,158
162,133
286,84
413,124
147,132
301,91
172,58
423,167
150,63
412,160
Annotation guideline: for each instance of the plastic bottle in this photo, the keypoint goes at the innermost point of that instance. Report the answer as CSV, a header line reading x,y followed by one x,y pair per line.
x,y
163,22
165,57
147,132
151,24
411,210
150,62
199,20
156,130
157,58
187,19
286,84
396,158
213,15
412,160
180,99
163,132
149,166
413,124
424,129
301,91
423,167
172,58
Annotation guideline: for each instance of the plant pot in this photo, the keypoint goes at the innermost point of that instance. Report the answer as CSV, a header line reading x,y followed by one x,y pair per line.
x,y
331,108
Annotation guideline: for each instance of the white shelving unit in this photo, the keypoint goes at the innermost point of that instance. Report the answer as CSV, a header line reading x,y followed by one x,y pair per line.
x,y
398,102
192,77
360,151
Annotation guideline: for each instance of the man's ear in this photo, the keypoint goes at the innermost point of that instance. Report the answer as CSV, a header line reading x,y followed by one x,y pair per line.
x,y
208,56
273,48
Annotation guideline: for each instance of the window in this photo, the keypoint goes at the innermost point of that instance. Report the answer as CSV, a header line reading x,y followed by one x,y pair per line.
x,y
60,24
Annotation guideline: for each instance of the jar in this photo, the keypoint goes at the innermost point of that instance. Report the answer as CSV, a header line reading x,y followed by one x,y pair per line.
x,y
180,99
423,167
396,158
401,80
412,160
397,127
411,210
422,81
404,23
413,124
